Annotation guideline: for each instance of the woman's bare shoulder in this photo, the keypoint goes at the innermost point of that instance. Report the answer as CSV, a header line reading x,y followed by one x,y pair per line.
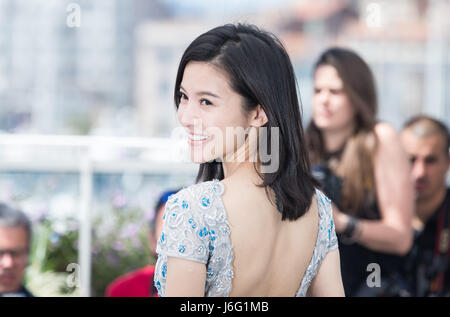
x,y
384,131
388,141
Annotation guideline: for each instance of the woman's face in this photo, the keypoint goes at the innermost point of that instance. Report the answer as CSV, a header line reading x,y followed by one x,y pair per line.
x,y
211,113
332,110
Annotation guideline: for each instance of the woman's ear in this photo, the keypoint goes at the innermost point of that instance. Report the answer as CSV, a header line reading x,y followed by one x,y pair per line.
x,y
258,117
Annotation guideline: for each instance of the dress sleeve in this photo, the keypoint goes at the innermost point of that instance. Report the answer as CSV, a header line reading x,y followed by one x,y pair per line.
x,y
327,223
332,238
185,233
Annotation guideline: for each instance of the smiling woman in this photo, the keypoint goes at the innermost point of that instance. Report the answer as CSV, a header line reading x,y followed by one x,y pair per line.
x,y
243,90
235,91
203,113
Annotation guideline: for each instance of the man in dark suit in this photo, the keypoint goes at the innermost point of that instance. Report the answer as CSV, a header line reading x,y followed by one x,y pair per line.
x,y
15,238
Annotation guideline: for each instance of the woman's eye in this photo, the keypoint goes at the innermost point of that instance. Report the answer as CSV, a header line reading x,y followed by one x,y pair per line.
x,y
205,102
182,96
316,90
335,91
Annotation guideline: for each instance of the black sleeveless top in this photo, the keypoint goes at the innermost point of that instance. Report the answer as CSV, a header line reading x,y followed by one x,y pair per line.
x,y
356,258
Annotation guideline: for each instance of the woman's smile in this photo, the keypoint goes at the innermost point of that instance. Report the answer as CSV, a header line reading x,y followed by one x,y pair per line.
x,y
196,139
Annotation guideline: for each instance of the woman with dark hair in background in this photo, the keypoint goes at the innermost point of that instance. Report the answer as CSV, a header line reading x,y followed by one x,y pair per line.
x,y
362,168
250,226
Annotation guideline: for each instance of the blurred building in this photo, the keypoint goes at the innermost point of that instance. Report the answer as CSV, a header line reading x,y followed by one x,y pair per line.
x,y
406,43
114,74
60,79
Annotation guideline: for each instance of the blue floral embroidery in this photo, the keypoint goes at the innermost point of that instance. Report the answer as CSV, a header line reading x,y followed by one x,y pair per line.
x,y
181,249
193,224
329,230
184,204
205,202
164,270
203,232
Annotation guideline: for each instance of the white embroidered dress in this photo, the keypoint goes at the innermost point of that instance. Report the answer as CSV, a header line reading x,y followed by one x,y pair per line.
x,y
196,228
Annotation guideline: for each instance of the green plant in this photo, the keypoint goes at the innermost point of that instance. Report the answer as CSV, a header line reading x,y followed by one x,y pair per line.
x,y
120,248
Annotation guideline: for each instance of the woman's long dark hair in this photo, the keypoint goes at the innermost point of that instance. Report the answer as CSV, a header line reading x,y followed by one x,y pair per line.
x,y
259,70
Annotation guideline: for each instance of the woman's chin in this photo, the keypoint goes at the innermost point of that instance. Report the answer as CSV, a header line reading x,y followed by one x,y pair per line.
x,y
200,158
322,123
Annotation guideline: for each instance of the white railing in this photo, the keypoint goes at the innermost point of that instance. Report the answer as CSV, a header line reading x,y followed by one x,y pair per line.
x,y
158,155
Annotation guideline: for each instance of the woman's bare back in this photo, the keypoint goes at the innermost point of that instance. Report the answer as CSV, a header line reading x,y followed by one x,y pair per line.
x,y
270,255
222,238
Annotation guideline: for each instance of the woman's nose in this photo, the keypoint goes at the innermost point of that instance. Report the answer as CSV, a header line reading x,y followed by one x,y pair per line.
x,y
324,96
189,116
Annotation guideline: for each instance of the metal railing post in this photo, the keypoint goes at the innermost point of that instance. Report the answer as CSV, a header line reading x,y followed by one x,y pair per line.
x,y
85,219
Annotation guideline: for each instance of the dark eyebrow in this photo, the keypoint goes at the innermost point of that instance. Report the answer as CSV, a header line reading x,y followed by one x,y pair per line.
x,y
208,93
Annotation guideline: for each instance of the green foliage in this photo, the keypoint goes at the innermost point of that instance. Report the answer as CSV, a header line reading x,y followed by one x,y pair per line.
x,y
51,252
123,248
120,244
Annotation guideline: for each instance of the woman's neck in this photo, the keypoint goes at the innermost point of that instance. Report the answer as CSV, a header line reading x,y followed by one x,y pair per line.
x,y
242,161
234,169
334,140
